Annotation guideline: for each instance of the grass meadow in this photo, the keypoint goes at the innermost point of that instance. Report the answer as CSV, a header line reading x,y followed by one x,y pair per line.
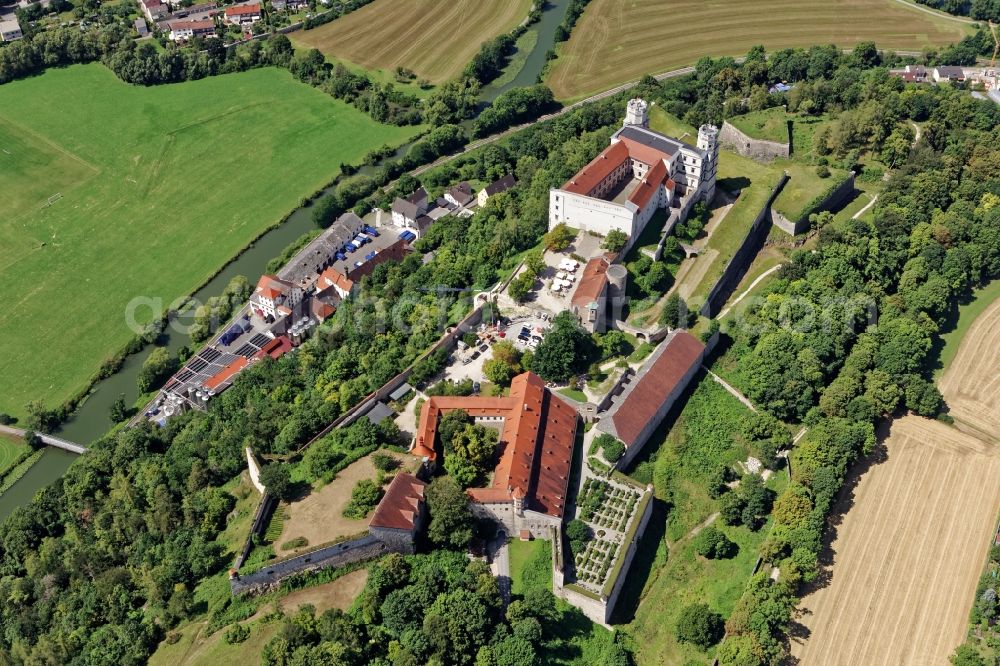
x,y
617,41
160,187
433,38
11,449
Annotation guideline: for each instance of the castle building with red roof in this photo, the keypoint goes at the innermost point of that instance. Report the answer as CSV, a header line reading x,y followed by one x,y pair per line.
x,y
640,172
537,433
401,513
639,410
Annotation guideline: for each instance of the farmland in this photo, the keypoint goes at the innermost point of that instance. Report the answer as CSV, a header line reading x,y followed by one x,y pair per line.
x,y
159,187
908,554
11,449
971,384
433,38
616,41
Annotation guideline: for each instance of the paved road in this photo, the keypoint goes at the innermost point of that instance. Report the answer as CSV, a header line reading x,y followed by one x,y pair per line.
x,y
933,12
51,440
499,556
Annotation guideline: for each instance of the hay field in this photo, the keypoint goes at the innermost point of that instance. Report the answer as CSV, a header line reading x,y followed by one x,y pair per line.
x,y
617,41
160,187
971,384
433,38
908,554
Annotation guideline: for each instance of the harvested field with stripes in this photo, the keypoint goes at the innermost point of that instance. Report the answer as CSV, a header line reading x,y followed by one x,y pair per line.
x,y
907,556
433,38
971,384
617,41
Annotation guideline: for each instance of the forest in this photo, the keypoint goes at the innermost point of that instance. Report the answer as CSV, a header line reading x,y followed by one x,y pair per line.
x,y
105,561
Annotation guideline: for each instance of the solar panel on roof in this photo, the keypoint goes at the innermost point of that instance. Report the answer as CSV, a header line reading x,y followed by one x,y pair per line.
x,y
210,354
260,340
184,375
197,365
226,359
247,351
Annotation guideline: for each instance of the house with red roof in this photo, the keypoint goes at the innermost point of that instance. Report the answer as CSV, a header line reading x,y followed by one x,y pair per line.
x,y
641,172
275,298
537,433
243,14
401,513
662,379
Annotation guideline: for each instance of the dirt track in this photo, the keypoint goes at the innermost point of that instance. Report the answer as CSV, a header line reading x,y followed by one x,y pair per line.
x,y
971,384
908,554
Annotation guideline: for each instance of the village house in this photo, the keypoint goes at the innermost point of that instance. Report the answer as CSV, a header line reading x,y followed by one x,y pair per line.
x,y
405,212
154,9
274,298
243,14
10,29
459,195
333,279
639,410
496,187
290,5
537,432
182,31
140,27
640,172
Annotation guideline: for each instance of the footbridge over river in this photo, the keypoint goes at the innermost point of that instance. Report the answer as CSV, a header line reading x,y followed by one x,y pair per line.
x,y
51,440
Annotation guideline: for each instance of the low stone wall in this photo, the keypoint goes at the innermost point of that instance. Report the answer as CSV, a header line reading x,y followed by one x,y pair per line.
x,y
832,200
336,555
257,527
632,548
744,256
760,150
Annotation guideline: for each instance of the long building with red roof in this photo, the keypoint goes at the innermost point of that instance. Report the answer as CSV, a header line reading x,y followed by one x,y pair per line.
x,y
537,434
640,172
639,410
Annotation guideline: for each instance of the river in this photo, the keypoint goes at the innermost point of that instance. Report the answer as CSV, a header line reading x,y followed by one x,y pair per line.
x,y
90,421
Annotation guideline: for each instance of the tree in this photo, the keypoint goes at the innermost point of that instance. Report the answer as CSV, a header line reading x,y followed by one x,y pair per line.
x,y
32,439
451,424
675,312
793,506
498,372
451,520
477,444
615,240
521,286
731,508
967,655
559,238
578,534
462,470
156,369
564,349
700,625
742,650
612,447
364,498
713,544
277,479
119,410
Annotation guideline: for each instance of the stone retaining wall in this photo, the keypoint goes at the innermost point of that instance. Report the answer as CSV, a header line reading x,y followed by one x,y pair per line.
x,y
833,200
760,150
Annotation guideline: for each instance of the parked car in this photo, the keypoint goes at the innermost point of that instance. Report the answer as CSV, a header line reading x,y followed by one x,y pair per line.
x,y
475,387
371,231
484,348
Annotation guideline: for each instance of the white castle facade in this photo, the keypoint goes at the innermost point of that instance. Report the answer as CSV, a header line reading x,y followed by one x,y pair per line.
x,y
640,172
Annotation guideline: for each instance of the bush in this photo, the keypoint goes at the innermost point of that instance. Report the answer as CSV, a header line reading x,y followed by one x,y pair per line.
x,y
613,451
823,171
700,625
713,544
236,634
364,498
384,462
578,534
297,542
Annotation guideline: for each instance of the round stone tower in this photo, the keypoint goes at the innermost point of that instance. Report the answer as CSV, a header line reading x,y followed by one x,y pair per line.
x,y
637,113
617,277
708,140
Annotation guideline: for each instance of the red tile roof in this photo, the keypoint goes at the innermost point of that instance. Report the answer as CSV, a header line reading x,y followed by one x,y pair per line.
x,y
594,173
276,348
271,287
242,9
593,282
537,439
649,185
401,504
192,25
644,153
226,373
331,277
657,381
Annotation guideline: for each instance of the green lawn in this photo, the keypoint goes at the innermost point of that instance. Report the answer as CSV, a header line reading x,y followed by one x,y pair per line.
x,y
530,565
160,186
573,393
967,314
802,188
11,449
667,573
769,124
